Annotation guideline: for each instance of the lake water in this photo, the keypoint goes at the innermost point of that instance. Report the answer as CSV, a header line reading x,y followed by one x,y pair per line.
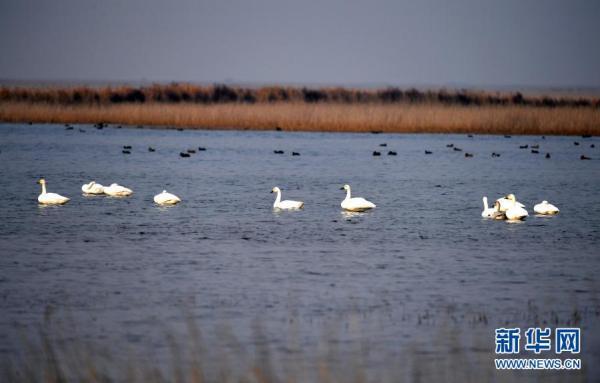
x,y
125,272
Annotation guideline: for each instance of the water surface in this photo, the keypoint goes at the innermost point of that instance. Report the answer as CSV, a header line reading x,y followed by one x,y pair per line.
x,y
125,269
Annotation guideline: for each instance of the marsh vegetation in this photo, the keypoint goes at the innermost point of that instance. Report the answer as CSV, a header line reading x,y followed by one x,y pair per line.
x,y
304,109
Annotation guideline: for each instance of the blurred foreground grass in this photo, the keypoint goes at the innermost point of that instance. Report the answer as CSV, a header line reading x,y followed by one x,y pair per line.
x,y
447,351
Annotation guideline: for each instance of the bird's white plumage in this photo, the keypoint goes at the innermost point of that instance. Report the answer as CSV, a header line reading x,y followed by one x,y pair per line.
x,y
50,198
356,203
516,213
286,204
545,208
507,202
117,190
92,188
166,198
488,212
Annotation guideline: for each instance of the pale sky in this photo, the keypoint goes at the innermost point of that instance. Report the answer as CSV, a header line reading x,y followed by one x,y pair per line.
x,y
429,43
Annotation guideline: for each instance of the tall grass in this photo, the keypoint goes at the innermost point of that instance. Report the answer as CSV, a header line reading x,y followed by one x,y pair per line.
x,y
189,93
332,117
448,352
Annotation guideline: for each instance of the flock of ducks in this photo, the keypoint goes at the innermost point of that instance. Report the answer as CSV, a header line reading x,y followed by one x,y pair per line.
x,y
508,208
354,204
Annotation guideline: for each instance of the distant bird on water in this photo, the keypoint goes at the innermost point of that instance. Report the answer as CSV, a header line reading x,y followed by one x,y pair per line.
x,y
166,198
356,203
46,198
286,204
545,208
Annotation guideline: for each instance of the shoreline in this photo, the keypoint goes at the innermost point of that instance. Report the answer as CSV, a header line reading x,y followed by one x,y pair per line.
x,y
319,117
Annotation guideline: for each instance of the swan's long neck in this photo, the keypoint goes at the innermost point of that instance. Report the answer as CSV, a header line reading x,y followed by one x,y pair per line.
x,y
278,199
43,188
485,203
348,193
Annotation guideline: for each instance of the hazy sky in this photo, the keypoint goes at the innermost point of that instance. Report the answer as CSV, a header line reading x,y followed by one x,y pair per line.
x,y
458,42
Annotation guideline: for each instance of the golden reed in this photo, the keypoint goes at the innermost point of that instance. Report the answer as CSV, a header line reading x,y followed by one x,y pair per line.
x,y
328,116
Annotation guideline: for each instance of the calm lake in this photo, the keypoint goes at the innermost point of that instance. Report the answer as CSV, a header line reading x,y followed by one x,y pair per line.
x,y
123,272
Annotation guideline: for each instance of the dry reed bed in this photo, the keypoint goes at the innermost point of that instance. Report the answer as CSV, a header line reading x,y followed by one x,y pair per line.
x,y
331,117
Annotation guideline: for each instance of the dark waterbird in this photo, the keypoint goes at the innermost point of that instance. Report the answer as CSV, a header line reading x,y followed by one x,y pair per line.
x,y
535,146
457,149
392,153
191,151
449,145
376,153
534,151
586,136
295,154
81,130
376,131
125,151
201,149
523,146
184,155
277,128
576,143
592,146
547,155
470,135
151,149
428,152
180,129
468,155
69,128
127,147
494,154
506,136
383,145
584,157
278,151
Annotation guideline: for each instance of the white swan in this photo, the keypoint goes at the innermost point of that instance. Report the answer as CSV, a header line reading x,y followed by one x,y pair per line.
x,y
507,202
117,190
287,204
92,188
165,198
516,213
355,204
545,208
50,198
488,212
513,210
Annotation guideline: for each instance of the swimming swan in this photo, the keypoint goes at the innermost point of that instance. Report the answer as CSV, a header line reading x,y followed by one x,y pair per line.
x,y
50,198
516,213
355,204
117,190
514,210
165,198
488,212
545,208
507,202
287,204
92,188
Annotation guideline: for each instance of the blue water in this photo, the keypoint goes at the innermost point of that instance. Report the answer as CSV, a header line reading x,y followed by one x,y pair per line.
x,y
124,269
